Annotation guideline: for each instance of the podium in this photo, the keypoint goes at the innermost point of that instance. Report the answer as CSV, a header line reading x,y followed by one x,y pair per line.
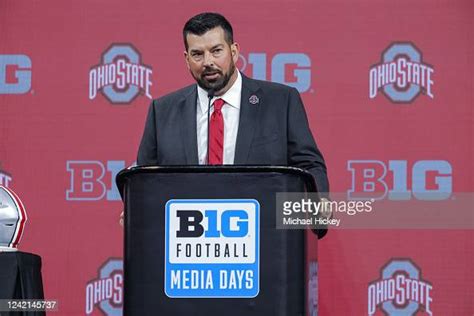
x,y
202,240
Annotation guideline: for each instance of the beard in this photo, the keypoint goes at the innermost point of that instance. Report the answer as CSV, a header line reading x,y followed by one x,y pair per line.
x,y
215,84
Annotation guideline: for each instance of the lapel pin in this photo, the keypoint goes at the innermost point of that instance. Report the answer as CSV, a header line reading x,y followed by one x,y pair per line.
x,y
253,99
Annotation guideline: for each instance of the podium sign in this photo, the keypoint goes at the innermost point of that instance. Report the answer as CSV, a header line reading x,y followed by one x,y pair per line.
x,y
212,248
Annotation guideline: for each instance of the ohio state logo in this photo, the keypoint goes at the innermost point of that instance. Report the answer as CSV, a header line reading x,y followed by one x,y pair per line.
x,y
401,75
400,290
106,291
120,76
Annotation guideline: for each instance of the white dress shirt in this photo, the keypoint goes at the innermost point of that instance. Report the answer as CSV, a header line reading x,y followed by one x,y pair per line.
x,y
230,112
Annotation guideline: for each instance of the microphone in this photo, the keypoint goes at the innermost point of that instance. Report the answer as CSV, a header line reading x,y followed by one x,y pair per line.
x,y
210,95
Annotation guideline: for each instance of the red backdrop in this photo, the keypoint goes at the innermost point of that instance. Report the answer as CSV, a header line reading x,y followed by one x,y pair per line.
x,y
55,141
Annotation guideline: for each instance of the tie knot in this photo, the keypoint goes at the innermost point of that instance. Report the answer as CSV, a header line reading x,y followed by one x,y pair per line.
x,y
218,103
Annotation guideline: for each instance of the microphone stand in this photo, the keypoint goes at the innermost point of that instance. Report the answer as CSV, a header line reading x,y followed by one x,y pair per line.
x,y
210,95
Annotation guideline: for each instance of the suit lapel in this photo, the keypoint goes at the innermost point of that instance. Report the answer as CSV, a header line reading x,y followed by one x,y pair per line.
x,y
250,102
188,127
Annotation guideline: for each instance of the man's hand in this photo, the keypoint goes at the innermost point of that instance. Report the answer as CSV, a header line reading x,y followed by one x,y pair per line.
x,y
121,219
326,211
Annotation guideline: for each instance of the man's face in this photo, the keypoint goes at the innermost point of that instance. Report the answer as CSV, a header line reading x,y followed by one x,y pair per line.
x,y
211,60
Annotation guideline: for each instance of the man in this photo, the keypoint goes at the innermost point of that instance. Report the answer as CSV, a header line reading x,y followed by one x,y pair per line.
x,y
252,122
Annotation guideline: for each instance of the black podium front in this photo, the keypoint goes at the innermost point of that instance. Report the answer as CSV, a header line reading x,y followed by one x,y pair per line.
x,y
203,241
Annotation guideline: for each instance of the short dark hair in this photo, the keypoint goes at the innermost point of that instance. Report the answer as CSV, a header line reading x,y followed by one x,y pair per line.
x,y
203,22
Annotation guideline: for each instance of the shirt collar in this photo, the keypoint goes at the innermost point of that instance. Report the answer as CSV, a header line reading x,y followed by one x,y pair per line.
x,y
231,97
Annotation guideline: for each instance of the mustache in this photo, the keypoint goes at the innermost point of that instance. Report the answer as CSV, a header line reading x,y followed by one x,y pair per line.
x,y
209,71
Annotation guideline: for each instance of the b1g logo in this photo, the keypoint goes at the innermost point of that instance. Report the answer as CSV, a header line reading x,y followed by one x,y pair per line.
x,y
15,74
430,180
400,290
292,69
120,76
401,75
212,248
106,291
92,180
5,178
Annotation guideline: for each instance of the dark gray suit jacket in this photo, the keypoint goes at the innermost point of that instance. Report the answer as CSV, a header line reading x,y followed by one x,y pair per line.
x,y
274,131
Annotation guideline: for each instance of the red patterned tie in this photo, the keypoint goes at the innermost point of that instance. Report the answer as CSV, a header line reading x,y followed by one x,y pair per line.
x,y
216,134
